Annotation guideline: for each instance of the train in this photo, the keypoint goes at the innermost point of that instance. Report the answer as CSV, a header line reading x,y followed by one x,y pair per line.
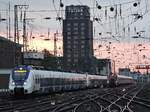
x,y
26,79
116,80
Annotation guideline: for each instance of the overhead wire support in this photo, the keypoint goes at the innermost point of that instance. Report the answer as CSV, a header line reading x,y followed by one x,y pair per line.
x,y
24,33
16,26
16,30
9,23
55,44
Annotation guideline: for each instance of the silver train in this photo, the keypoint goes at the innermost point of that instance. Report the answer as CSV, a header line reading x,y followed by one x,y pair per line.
x,y
27,80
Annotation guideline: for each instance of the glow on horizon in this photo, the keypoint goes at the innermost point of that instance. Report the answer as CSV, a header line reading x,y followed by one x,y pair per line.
x,y
41,44
124,54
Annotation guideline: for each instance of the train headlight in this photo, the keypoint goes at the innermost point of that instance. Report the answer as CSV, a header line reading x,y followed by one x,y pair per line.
x,y
107,81
25,83
13,83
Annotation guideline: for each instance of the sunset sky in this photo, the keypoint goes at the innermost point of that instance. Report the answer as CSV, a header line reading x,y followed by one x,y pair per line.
x,y
113,34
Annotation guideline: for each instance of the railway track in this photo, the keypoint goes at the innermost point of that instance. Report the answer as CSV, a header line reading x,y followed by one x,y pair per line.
x,y
130,103
68,107
45,103
120,99
111,102
101,103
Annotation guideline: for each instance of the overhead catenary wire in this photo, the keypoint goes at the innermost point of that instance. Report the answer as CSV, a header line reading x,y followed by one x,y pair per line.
x,y
123,3
118,4
57,10
128,24
135,21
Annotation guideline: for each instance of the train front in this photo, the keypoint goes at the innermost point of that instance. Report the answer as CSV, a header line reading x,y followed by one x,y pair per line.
x,y
18,80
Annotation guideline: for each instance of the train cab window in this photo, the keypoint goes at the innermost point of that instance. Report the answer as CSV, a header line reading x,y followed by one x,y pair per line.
x,y
19,74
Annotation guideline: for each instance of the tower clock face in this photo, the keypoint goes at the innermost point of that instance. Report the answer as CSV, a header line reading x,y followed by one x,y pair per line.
x,y
78,11
75,9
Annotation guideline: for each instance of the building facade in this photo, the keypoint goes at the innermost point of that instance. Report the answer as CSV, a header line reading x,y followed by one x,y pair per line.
x,y
78,39
33,58
105,67
4,78
10,53
124,71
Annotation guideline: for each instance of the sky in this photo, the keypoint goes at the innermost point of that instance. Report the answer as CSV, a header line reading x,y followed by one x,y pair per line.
x,y
113,30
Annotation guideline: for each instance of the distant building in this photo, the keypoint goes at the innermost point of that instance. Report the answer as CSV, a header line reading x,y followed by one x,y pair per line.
x,y
124,71
105,66
10,53
78,39
33,58
10,56
128,72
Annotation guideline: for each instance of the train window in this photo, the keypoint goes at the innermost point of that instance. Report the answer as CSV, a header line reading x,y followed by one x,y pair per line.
x,y
73,81
65,81
58,81
36,77
70,81
62,81
51,81
33,78
40,80
47,82
37,80
42,83
19,74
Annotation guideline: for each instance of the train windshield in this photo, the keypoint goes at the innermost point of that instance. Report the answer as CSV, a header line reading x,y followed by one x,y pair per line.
x,y
19,74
